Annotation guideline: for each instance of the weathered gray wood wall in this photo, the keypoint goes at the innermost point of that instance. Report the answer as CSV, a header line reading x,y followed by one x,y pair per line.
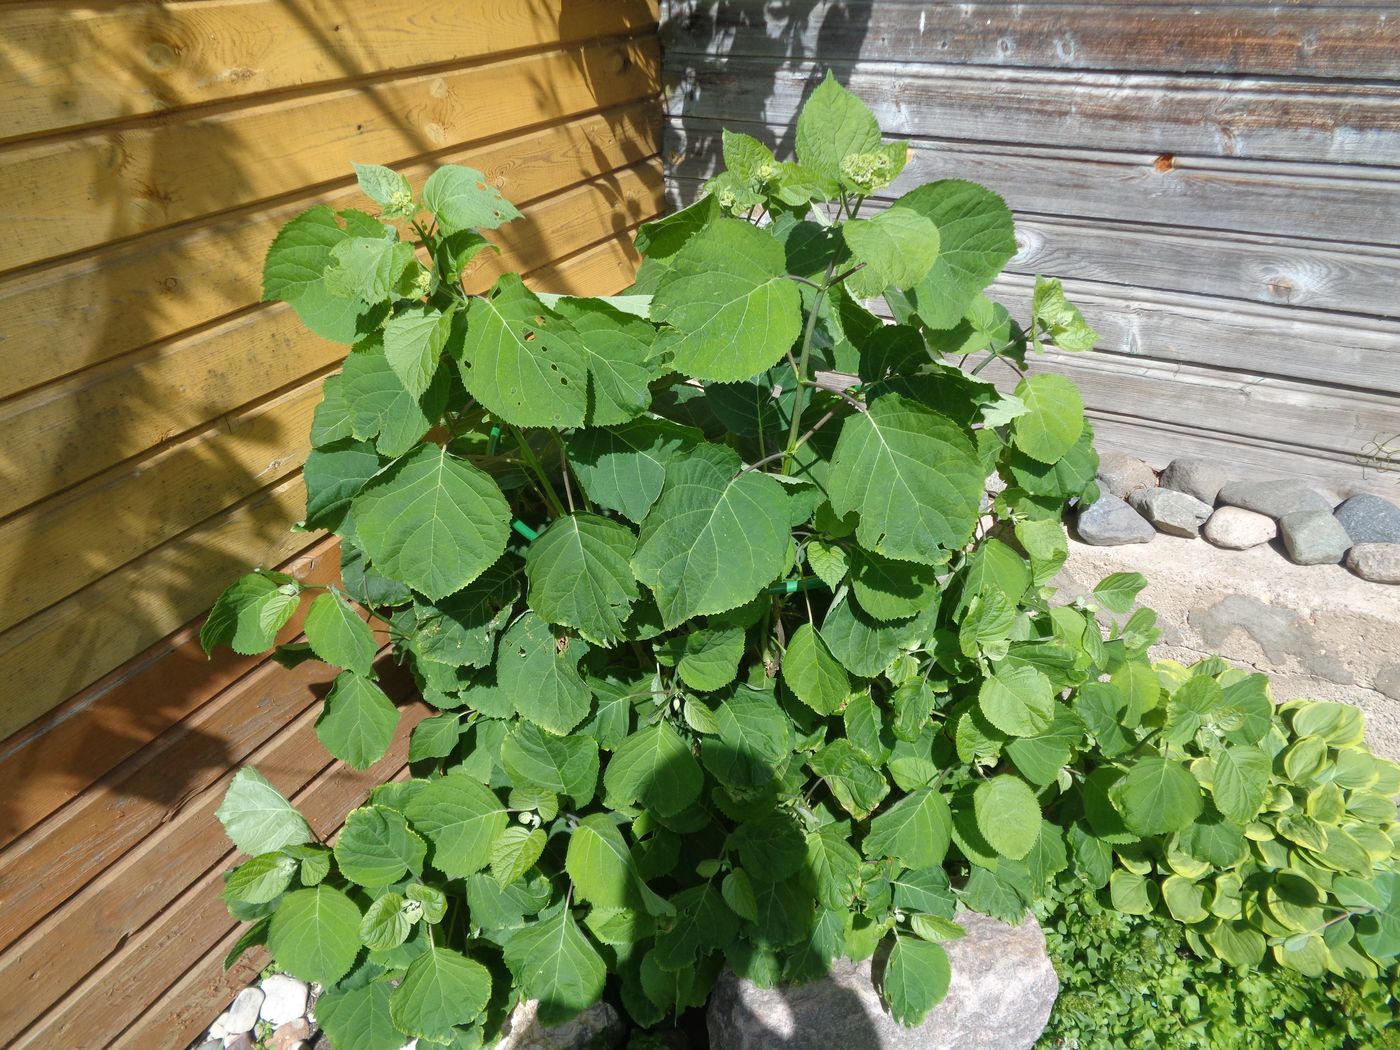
x,y
1217,183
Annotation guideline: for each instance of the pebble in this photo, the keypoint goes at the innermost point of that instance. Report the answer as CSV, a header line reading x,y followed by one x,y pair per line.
x,y
1123,475
1314,537
290,1034
241,1041
285,999
1236,529
1173,512
1370,519
243,1014
1110,522
1377,562
1201,478
1274,498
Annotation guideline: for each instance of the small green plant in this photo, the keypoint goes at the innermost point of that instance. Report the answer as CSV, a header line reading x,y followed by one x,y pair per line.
x,y
737,662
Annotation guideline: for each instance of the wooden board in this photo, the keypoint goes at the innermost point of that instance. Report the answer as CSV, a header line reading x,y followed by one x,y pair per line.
x,y
1355,41
108,303
1349,206
70,194
64,432
68,66
1317,121
59,756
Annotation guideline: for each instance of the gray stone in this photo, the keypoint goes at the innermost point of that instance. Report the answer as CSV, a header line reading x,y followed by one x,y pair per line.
x,y
1237,529
1110,521
241,1041
243,1014
1173,512
1274,498
1002,989
1123,475
1377,562
1370,519
1201,478
597,1028
285,999
211,1044
1313,537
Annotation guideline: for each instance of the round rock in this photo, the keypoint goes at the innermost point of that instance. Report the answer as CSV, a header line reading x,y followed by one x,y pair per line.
x,y
1173,512
1110,521
1370,519
285,999
1002,989
1274,498
1377,562
1123,475
243,1014
1201,478
1237,529
1313,537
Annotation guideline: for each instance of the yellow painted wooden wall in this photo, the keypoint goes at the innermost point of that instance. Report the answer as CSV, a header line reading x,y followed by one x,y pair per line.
x,y
153,417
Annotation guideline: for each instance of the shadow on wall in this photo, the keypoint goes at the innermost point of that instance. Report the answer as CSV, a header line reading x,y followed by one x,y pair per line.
x,y
796,39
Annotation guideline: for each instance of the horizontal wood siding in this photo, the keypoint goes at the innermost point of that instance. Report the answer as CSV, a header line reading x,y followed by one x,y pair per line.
x,y
1217,184
153,421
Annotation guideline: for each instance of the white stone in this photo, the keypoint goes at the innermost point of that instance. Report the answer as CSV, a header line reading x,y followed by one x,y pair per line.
x,y
285,999
1377,562
219,1028
243,1014
1237,529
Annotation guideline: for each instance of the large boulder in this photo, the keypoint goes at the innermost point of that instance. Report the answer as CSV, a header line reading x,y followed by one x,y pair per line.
x,y
1002,989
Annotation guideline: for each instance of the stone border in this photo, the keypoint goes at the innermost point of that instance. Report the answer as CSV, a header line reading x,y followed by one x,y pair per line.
x,y
1201,497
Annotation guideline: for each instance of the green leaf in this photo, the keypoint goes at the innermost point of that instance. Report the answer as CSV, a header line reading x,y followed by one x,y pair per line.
x,y
1132,894
654,766
833,125
1186,900
662,238
772,845
828,561
703,921
332,419
521,360
893,590
1053,420
1117,591
565,765
249,614
460,630
337,634
299,255
441,989
334,474
554,962
912,475
376,847
916,830
381,407
602,869
580,575
916,979
367,268
260,879
857,784
1008,815
1240,782
461,818
730,308
813,674
618,349
753,743
738,893
687,552
413,342
898,246
434,737
462,199
514,853
710,658
539,672
257,818
358,1018
976,239
358,721
432,521
1017,699
315,934
384,186
1157,796
385,925
866,646
623,468
1237,943
926,891
1058,318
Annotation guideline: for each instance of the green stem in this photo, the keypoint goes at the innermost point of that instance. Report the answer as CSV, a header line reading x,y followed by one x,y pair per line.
x,y
800,394
537,468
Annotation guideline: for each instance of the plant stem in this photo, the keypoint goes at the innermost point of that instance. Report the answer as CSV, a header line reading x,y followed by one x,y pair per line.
x,y
564,473
537,468
799,395
800,442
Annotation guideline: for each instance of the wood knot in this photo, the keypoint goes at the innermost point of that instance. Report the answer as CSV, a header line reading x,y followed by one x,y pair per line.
x,y
1165,162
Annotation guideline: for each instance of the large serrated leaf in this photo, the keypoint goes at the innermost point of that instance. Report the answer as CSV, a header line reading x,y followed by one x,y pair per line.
x,y
565,765
432,521
463,199
833,125
654,766
1157,795
381,407
1008,815
913,477
618,349
554,963
358,721
687,552
916,978
580,575
538,670
441,989
337,634
623,468
461,818
377,847
315,934
732,311
413,342
257,818
1053,420
813,674
897,246
915,830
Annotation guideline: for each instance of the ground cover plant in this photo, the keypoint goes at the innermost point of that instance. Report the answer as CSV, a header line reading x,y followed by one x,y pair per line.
x,y
737,662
